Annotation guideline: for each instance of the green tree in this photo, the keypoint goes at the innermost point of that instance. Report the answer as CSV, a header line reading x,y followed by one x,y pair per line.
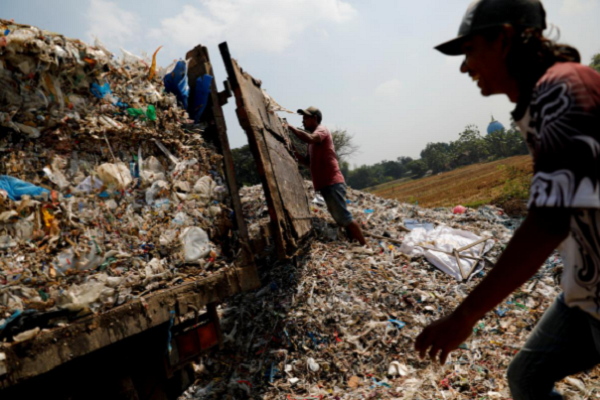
x,y
362,177
418,168
470,148
436,156
344,145
246,171
595,62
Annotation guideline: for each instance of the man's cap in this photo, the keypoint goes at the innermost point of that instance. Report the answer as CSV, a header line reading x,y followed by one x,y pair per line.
x,y
483,14
311,112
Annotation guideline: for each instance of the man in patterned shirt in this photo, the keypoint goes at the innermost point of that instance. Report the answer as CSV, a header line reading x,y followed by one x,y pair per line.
x,y
558,111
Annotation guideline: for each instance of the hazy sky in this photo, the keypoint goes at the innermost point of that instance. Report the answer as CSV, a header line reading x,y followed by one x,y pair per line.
x,y
368,65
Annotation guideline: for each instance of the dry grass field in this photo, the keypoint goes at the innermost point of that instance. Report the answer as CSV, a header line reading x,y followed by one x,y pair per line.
x,y
495,182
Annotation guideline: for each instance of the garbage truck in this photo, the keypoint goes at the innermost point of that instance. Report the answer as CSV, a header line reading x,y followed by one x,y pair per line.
x,y
113,266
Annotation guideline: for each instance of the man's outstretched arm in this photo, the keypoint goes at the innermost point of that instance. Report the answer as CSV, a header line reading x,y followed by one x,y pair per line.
x,y
306,137
541,232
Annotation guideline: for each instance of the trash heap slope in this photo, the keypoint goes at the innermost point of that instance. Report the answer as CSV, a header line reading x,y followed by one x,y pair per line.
x,y
341,323
107,189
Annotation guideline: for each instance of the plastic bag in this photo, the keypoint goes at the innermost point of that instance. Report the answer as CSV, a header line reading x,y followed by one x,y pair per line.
x,y
17,188
89,184
200,97
158,189
152,171
195,244
205,187
176,82
117,175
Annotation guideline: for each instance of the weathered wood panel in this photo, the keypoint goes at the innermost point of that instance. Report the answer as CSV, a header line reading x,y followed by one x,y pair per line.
x,y
50,349
270,143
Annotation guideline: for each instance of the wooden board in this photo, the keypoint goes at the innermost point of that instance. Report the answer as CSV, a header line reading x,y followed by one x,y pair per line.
x,y
49,350
199,65
269,141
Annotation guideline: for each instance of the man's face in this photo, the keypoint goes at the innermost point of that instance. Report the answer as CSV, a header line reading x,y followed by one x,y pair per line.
x,y
310,122
485,62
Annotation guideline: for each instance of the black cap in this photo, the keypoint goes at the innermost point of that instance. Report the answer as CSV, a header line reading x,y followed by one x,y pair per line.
x,y
312,112
483,14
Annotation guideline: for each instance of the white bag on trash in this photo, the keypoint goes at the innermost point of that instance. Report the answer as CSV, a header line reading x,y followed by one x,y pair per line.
x,y
205,187
195,244
447,239
152,171
117,175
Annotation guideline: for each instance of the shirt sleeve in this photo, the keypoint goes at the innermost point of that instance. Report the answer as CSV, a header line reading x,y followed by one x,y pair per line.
x,y
563,134
323,134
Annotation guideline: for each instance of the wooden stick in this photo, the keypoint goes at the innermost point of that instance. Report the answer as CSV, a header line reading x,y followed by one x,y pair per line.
x,y
473,244
451,254
459,265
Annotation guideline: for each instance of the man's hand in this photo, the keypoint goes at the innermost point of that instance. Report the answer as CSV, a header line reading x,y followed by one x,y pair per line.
x,y
443,335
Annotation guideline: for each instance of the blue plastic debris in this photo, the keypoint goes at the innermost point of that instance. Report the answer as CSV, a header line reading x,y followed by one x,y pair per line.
x,y
10,319
15,188
104,92
176,82
201,96
501,312
397,324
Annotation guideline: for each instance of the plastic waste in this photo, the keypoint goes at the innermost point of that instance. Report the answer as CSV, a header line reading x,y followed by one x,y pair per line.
x,y
57,177
152,171
31,131
159,189
149,113
397,369
312,364
203,85
176,82
117,175
195,244
168,237
89,185
205,187
446,239
459,210
23,336
16,188
319,200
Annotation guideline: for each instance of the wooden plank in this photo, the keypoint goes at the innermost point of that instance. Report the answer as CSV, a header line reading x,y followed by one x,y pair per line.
x,y
51,349
269,141
199,65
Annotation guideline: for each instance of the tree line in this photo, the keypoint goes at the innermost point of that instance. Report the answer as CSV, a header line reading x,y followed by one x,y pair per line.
x,y
471,147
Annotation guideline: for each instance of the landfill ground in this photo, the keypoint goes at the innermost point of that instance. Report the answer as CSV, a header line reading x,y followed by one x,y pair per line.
x,y
340,322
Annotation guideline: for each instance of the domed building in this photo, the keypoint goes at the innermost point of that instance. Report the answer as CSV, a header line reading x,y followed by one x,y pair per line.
x,y
494,126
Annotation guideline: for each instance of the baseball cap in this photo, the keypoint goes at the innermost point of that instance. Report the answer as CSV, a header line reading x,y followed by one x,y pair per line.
x,y
483,14
311,112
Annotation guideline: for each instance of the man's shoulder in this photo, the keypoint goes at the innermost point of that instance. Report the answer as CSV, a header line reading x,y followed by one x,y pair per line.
x,y
322,129
568,73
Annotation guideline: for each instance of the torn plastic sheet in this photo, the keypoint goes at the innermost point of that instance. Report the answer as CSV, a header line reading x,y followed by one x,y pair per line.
x,y
446,239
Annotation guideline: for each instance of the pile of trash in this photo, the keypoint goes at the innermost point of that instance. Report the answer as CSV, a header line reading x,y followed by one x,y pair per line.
x,y
107,188
341,323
